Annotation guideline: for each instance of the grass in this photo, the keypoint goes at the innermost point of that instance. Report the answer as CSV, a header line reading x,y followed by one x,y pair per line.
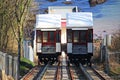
x,y
25,66
115,71
115,74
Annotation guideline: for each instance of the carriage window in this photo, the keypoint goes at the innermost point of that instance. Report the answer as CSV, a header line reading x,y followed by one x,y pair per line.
x,y
45,36
38,33
51,36
90,35
83,37
76,36
69,35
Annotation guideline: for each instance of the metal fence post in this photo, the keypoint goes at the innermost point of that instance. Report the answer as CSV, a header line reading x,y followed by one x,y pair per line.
x,y
15,68
4,62
10,65
1,60
106,61
101,53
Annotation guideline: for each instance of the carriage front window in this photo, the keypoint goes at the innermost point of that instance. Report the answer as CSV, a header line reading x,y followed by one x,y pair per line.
x,y
76,36
83,37
45,36
51,35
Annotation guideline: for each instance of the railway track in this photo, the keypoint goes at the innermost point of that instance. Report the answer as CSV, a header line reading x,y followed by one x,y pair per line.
x,y
76,73
63,70
93,74
100,74
44,72
50,73
32,73
70,71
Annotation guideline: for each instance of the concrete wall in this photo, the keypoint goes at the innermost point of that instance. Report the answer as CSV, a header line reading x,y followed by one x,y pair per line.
x,y
8,64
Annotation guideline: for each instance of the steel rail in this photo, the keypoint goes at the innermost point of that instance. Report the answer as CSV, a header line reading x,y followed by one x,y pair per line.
x,y
70,72
92,74
51,72
58,72
101,76
85,72
41,74
31,74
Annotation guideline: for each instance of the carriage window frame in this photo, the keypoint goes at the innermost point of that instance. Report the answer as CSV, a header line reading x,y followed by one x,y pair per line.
x,y
76,36
81,36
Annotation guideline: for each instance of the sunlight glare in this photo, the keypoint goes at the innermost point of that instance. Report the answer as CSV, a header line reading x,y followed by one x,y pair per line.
x,y
63,54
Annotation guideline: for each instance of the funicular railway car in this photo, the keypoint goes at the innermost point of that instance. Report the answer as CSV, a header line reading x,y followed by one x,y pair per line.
x,y
64,29
80,37
47,33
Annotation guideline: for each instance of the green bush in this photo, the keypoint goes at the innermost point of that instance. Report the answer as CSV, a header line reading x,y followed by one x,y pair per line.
x,y
25,66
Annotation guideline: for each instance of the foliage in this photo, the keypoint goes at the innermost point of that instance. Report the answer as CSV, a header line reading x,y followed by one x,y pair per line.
x,y
27,61
25,66
13,18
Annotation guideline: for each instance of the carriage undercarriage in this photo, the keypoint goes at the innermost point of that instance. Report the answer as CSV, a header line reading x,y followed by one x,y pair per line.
x,y
72,58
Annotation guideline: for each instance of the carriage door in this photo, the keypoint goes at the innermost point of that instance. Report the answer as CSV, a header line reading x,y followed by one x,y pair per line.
x,y
48,42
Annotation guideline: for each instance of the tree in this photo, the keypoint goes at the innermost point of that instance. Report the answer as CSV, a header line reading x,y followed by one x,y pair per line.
x,y
13,19
116,41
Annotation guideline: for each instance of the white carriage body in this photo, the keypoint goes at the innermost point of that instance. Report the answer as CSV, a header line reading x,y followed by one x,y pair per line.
x,y
49,23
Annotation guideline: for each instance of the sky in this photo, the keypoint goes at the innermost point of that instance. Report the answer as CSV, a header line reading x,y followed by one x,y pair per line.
x,y
106,16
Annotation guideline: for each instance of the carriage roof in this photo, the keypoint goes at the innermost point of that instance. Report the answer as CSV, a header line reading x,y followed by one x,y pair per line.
x,y
48,21
73,20
79,20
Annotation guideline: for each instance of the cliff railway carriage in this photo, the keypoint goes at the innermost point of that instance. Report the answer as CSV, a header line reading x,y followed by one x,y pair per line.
x,y
80,37
47,35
